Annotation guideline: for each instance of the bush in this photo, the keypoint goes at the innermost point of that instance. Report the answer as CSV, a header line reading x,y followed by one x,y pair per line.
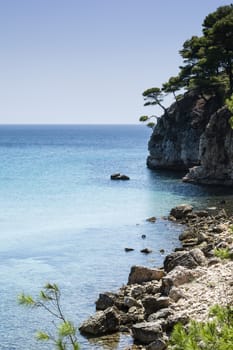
x,y
216,334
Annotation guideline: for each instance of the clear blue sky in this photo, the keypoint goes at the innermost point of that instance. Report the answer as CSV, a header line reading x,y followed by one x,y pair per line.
x,y
88,61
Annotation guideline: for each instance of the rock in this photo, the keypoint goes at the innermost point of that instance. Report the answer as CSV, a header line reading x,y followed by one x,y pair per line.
x,y
178,276
137,291
151,219
130,301
129,249
202,213
152,304
146,251
181,211
190,259
175,318
174,143
140,274
176,294
114,176
147,332
158,344
119,176
105,300
103,322
163,313
216,151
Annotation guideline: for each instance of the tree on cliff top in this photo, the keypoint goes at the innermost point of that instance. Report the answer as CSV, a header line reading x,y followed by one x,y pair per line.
x,y
207,62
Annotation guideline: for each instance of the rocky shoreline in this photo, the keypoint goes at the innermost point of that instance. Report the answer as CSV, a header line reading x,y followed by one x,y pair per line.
x,y
194,277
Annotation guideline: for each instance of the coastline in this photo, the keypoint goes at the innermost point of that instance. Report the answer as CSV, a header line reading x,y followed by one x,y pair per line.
x,y
191,280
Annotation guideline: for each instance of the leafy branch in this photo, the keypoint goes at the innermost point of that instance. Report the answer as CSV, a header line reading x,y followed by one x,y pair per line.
x,y
49,299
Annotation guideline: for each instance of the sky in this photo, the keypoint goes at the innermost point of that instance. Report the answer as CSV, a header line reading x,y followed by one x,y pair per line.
x,y
88,61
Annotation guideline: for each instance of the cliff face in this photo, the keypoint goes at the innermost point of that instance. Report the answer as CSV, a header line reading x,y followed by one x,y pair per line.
x,y
194,134
215,152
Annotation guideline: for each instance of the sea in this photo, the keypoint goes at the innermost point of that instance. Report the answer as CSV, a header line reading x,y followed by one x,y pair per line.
x,y
64,221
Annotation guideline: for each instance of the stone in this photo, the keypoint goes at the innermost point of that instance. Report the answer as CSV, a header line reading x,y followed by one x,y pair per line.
x,y
151,219
158,344
129,249
119,176
146,251
147,332
137,291
181,211
190,259
176,294
102,322
140,274
130,301
178,276
163,313
105,300
152,304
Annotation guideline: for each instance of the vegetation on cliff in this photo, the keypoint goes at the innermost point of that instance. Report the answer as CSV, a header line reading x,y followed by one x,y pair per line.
x,y
207,68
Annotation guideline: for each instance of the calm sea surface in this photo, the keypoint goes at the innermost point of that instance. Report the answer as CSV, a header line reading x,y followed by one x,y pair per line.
x,y
63,220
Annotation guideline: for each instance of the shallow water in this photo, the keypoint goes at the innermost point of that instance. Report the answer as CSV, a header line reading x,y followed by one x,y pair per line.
x,y
63,220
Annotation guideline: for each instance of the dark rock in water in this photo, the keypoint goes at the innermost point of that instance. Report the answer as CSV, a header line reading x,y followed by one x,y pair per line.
x,y
181,211
129,249
119,176
146,251
103,322
162,251
143,236
151,219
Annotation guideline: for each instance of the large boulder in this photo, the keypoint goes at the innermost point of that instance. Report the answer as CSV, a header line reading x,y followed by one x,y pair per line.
x,y
102,322
147,332
140,274
152,304
178,276
190,259
181,211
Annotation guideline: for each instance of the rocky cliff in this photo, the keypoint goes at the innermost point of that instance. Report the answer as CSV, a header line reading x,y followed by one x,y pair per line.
x,y
194,135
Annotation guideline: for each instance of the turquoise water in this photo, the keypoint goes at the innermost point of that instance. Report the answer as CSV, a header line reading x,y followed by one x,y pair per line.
x,y
63,220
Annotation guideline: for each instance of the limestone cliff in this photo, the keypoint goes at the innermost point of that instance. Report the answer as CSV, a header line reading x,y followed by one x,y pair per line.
x,y
194,134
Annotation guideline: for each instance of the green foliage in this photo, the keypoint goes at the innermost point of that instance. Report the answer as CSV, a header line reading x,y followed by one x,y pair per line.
x,y
223,253
216,334
207,63
49,299
146,118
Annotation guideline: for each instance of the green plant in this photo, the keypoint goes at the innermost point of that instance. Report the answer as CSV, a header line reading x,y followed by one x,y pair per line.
x,y
49,299
223,253
216,334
